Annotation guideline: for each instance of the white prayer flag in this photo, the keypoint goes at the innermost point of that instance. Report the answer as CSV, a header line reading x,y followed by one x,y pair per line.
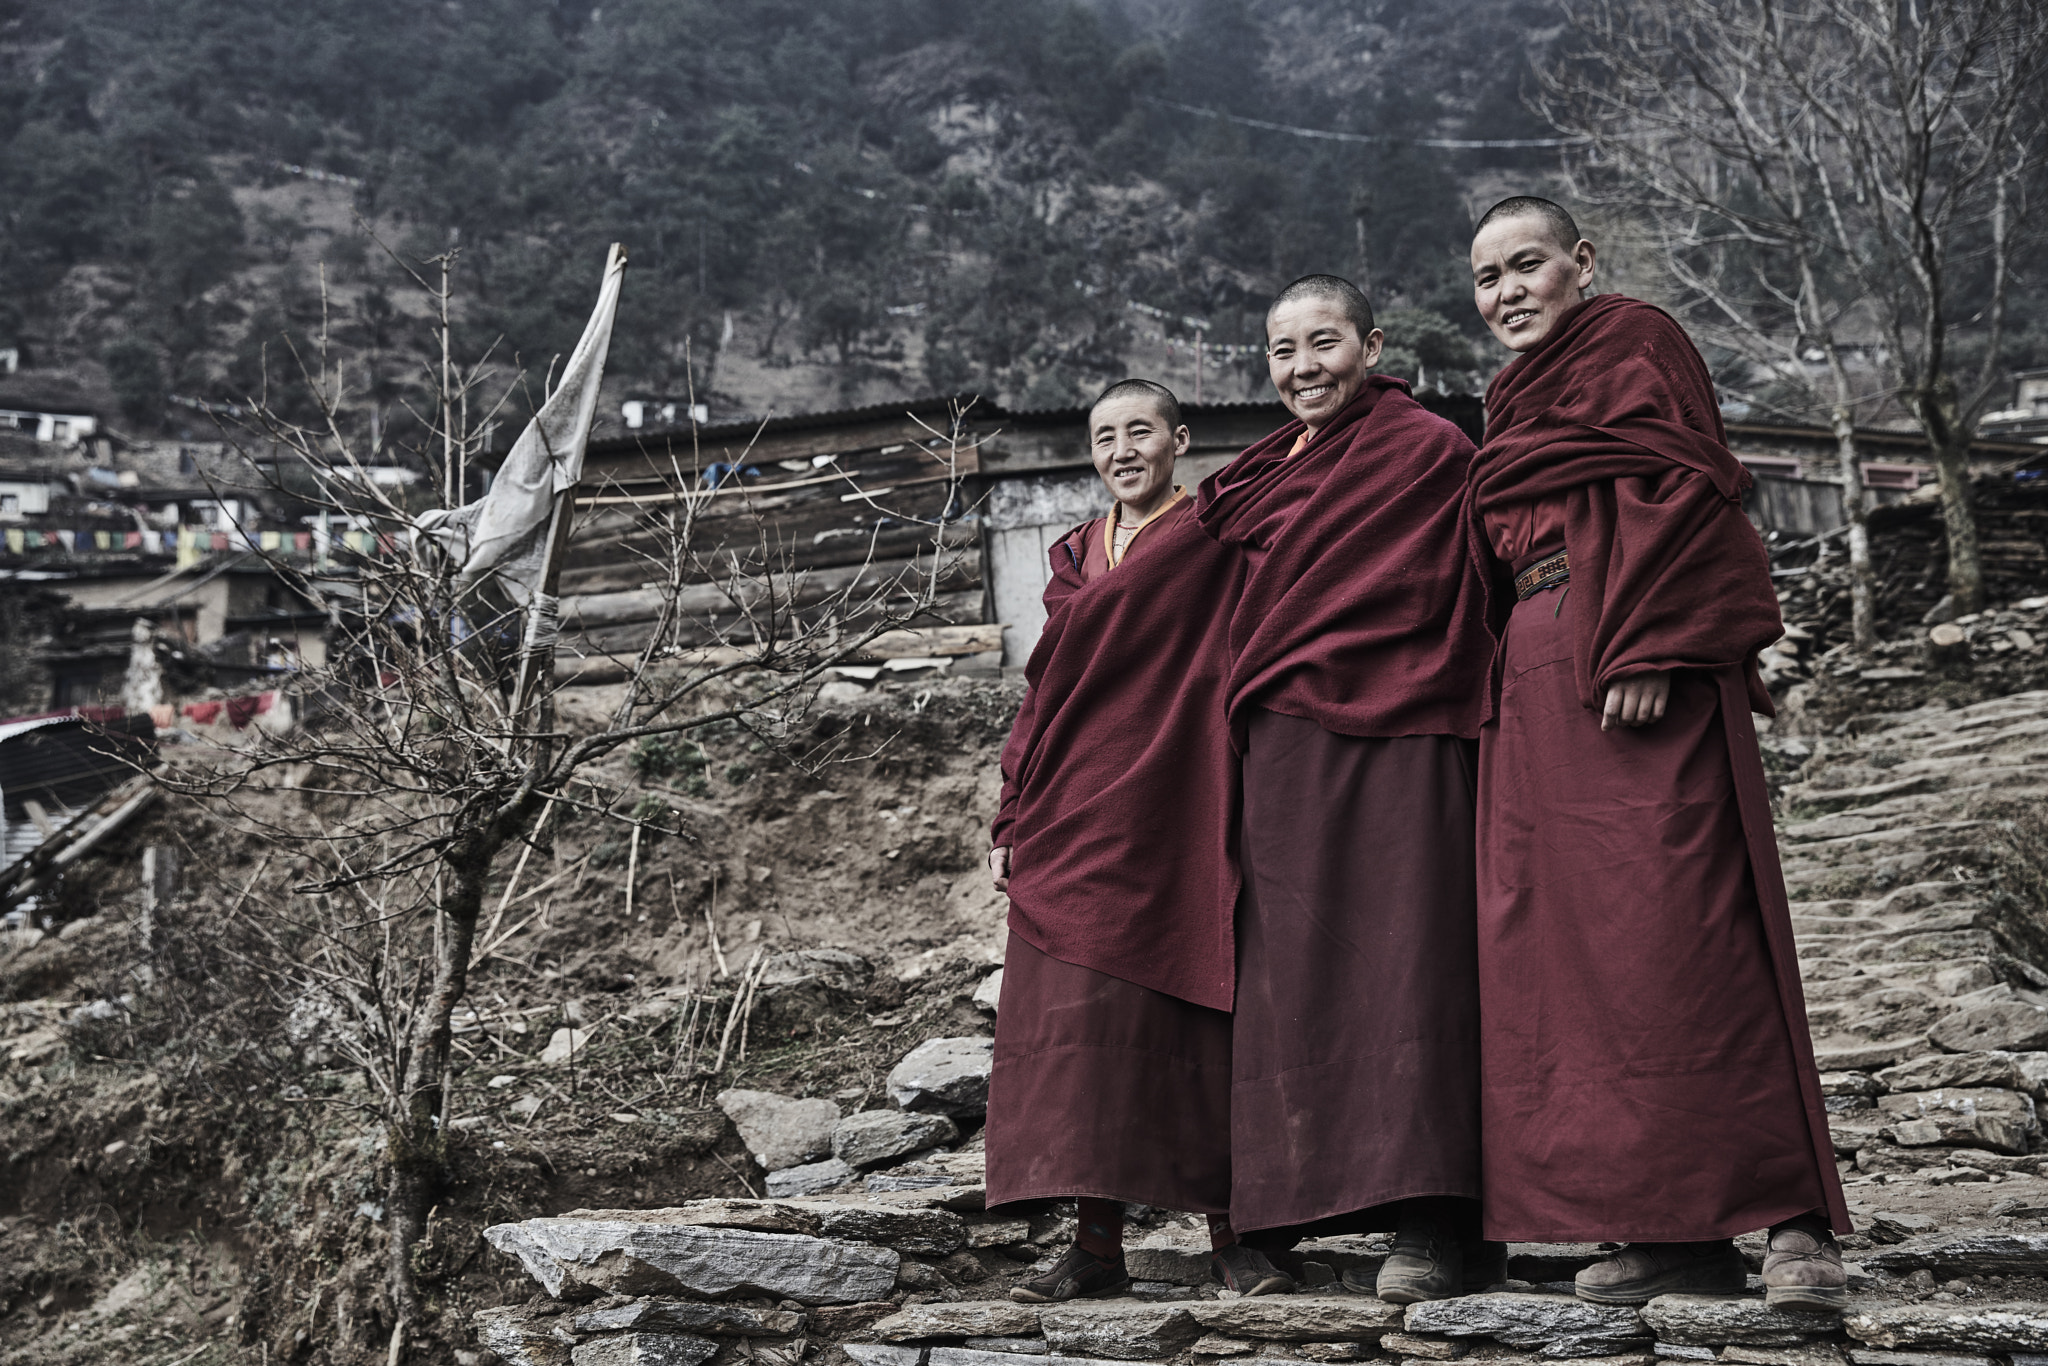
x,y
504,534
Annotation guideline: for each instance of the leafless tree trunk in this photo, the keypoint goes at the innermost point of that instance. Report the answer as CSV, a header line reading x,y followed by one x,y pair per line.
x,y
438,761
1821,178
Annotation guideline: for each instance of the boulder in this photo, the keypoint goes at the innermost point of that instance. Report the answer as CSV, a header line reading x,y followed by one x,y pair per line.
x,y
1299,1318
643,1349
778,1131
625,1252
2003,1026
810,1178
1718,1320
1938,1070
1983,1328
876,1136
664,1315
1551,1325
1122,1331
944,1076
961,1319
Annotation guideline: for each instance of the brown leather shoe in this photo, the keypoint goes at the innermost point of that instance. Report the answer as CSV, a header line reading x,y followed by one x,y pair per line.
x,y
1428,1261
1248,1271
1079,1275
1640,1272
1803,1269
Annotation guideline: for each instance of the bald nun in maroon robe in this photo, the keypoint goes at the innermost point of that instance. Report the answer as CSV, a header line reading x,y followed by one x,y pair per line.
x,y
1359,651
1112,1051
1647,1072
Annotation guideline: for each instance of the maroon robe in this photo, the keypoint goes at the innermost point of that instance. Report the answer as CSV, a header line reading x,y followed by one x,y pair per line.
x,y
1646,1069
1359,653
1112,1048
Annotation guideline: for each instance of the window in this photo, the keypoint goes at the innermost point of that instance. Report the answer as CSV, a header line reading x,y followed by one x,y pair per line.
x,y
10,505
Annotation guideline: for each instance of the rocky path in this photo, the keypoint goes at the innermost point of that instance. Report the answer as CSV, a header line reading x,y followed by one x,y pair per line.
x,y
1912,852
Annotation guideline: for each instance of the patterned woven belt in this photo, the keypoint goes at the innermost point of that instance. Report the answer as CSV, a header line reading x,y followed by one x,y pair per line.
x,y
1541,575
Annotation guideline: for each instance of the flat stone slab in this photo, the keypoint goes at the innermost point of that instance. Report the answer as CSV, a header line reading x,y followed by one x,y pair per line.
x,y
1983,1328
778,1130
1938,1070
883,1354
810,1178
1878,1356
1550,1325
1719,1320
576,1258
643,1349
922,1232
970,1356
1026,1346
1983,1254
961,1319
1299,1318
1121,1331
1173,1265
2007,1026
663,1315
1811,1354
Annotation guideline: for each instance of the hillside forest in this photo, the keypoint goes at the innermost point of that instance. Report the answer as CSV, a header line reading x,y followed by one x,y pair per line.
x,y
828,202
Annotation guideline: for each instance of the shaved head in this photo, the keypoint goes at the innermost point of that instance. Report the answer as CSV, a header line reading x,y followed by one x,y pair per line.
x,y
1347,298
1555,219
1157,394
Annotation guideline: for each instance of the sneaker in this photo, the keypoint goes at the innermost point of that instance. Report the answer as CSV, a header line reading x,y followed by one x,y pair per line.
x,y
1078,1275
1248,1271
1640,1272
1428,1262
1803,1269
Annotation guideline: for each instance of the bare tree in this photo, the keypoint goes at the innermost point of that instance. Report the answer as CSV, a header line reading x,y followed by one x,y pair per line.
x,y
1827,173
428,748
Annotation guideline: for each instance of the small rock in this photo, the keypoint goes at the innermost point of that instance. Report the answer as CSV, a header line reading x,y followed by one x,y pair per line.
x,y
962,1319
1986,1328
1942,612
643,1349
1673,1351
516,1335
1222,1345
988,1232
1863,1057
1849,1084
2007,1026
944,1076
1332,1351
1430,1349
882,1354
810,1178
778,1131
1956,1176
1812,1354
1972,1117
1174,1265
876,1136
1914,1133
1034,1347
1714,1320
990,992
564,1045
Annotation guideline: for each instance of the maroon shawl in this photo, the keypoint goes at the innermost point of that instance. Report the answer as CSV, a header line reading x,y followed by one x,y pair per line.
x,y
1360,611
1119,782
1615,412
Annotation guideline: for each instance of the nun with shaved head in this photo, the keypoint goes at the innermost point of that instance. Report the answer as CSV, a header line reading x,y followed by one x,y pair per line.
x,y
1356,690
